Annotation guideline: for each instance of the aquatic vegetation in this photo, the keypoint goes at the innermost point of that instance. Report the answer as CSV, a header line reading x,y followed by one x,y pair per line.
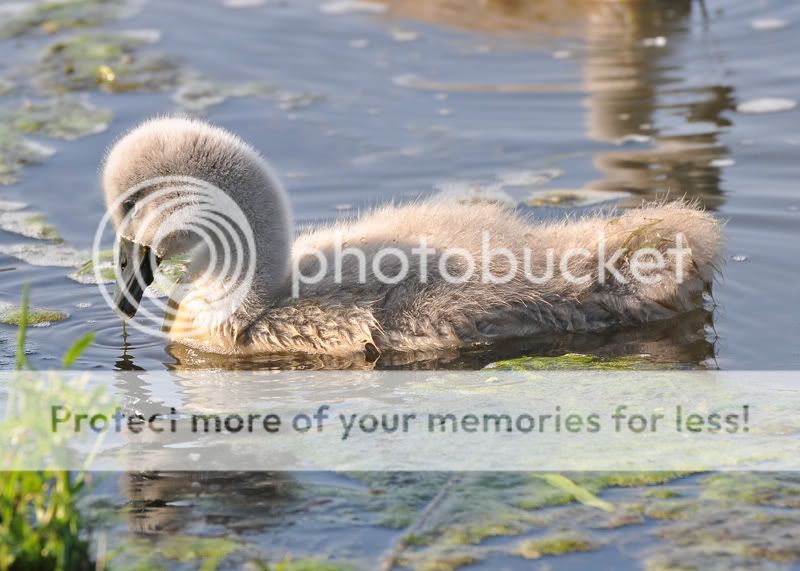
x,y
16,152
111,62
62,118
307,565
85,274
45,254
30,224
556,544
41,526
55,15
573,198
740,537
199,95
469,193
778,490
36,316
570,361
205,552
673,509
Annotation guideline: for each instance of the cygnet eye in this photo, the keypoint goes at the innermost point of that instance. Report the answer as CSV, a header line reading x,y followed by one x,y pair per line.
x,y
123,260
128,205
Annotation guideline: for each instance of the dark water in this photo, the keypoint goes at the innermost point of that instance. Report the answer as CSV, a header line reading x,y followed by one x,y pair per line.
x,y
639,97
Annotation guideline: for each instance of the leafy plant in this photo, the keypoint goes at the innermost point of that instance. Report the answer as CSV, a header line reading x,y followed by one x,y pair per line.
x,y
40,524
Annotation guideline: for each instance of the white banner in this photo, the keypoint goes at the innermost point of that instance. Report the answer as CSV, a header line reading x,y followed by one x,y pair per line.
x,y
411,420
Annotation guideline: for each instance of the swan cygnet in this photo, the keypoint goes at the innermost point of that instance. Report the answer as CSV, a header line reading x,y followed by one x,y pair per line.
x,y
351,314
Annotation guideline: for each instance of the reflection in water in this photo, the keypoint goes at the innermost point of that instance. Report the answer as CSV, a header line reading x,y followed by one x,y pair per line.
x,y
173,502
631,84
635,91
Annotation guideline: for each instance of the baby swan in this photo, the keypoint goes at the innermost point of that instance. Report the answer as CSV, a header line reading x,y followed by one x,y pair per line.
x,y
419,278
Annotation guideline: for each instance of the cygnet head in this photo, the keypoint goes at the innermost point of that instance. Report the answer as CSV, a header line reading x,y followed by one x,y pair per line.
x,y
162,183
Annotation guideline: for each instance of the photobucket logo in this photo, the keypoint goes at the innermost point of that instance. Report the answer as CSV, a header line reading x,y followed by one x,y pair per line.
x,y
177,216
489,264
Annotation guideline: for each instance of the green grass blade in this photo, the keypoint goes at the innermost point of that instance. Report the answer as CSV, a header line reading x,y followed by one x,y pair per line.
x,y
77,349
23,328
580,493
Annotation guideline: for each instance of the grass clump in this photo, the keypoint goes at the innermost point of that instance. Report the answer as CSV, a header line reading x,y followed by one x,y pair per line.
x,y
40,524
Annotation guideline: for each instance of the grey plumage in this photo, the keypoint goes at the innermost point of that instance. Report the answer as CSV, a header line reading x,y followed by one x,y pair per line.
x,y
345,317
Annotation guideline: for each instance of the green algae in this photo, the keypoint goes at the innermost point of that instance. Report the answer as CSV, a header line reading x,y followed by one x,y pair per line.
x,y
169,271
782,490
573,198
62,118
85,273
37,316
636,479
571,361
741,537
16,152
56,15
200,95
671,509
110,62
448,562
555,544
45,254
307,565
30,224
206,552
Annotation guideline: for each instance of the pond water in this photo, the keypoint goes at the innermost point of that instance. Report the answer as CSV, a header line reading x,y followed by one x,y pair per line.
x,y
358,104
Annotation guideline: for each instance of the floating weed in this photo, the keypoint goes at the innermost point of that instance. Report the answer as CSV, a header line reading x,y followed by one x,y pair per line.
x,y
308,565
11,314
207,553
62,118
738,538
470,193
572,361
56,15
45,254
672,509
30,224
778,490
441,560
573,198
556,544
636,479
85,274
16,152
199,95
111,62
